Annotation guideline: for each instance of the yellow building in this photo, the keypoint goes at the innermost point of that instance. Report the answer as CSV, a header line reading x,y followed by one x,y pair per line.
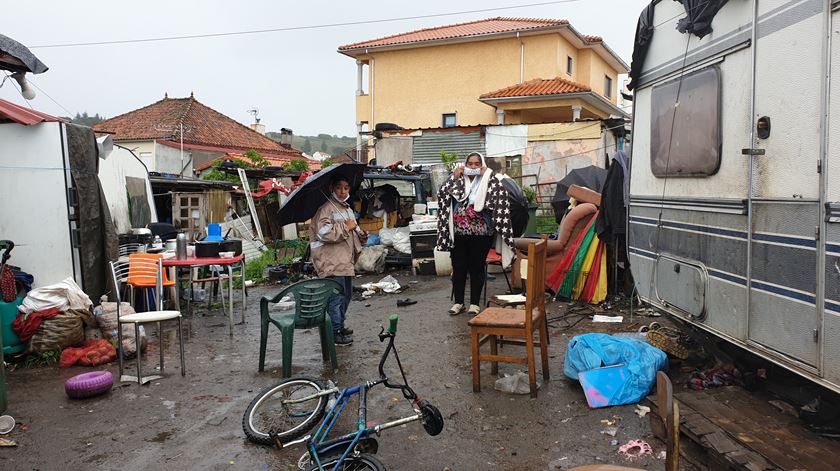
x,y
493,71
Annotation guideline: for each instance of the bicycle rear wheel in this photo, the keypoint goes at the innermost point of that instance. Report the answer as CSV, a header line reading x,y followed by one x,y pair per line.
x,y
354,463
268,415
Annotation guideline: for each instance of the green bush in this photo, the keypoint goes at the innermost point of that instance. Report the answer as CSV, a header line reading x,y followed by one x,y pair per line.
x,y
254,269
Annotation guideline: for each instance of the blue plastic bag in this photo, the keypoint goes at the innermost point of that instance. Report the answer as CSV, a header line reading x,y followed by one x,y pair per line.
x,y
627,384
373,239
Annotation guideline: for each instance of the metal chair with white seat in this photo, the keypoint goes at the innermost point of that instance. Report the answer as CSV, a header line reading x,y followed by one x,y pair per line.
x,y
120,273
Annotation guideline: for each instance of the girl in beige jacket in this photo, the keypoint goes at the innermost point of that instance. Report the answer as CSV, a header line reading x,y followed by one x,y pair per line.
x,y
336,242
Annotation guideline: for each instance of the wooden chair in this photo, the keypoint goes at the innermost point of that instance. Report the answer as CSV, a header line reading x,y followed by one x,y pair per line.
x,y
669,410
515,326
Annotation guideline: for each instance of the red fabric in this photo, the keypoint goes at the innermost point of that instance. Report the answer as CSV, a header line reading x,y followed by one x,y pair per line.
x,y
594,274
92,353
7,285
268,186
555,279
26,325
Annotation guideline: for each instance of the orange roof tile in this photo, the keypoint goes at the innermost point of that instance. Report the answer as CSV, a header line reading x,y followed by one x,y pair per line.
x,y
460,30
273,160
538,87
202,126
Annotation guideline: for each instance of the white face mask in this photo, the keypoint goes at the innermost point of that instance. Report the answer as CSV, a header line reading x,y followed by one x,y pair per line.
x,y
339,199
472,172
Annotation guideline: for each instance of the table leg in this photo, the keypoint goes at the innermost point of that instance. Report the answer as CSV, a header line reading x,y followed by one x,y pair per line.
x,y
230,297
242,269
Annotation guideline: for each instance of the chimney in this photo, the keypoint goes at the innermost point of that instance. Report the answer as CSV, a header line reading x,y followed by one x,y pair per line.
x,y
286,137
260,128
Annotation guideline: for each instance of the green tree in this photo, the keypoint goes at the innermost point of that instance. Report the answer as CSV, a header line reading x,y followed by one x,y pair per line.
x,y
296,165
449,158
307,147
85,120
326,163
323,146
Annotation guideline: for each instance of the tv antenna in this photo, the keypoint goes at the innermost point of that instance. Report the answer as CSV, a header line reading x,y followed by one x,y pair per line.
x,y
255,111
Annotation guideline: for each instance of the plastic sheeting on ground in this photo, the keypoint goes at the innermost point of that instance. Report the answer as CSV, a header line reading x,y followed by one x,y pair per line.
x,y
613,370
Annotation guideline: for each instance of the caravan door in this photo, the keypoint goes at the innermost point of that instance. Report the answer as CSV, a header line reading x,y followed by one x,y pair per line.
x,y
785,192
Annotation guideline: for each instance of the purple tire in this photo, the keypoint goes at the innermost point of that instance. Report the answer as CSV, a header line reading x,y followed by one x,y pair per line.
x,y
89,384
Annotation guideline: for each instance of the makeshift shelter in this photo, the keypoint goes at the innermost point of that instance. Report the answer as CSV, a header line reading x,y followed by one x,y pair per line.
x,y
54,210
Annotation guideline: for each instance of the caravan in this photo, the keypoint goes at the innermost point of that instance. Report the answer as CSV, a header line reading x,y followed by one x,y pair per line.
x,y
734,218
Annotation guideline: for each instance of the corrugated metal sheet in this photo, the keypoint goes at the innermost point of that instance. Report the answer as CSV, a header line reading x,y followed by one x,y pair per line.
x,y
22,115
428,146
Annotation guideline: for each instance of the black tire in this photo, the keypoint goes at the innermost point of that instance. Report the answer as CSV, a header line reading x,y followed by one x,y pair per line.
x,y
355,463
267,417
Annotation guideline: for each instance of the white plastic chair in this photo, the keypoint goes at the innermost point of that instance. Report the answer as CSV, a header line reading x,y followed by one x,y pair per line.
x,y
120,275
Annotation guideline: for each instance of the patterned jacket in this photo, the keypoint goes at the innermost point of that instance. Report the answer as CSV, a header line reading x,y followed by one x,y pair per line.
x,y
496,202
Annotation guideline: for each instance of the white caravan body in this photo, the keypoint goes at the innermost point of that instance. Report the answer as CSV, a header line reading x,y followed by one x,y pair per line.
x,y
734,216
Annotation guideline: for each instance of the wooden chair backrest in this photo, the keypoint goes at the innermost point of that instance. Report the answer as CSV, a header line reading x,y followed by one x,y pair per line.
x,y
669,410
535,281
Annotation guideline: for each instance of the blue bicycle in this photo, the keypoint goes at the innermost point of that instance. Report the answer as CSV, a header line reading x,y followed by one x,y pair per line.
x,y
282,415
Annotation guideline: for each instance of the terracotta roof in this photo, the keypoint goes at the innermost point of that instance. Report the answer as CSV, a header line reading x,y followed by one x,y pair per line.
x,y
202,125
284,151
460,30
538,87
22,115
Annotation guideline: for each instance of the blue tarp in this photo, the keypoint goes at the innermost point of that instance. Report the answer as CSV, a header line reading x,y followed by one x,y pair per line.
x,y
627,384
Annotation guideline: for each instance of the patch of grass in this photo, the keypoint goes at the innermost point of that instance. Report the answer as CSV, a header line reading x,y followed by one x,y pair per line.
x,y
546,224
44,359
254,269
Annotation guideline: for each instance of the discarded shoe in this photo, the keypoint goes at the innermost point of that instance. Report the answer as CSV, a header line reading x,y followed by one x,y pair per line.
x,y
342,340
474,310
405,302
456,309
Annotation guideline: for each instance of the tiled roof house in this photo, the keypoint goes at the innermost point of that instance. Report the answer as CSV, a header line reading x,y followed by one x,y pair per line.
x,y
158,132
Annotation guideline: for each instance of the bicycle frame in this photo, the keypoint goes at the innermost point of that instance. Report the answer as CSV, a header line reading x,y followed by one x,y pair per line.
x,y
319,444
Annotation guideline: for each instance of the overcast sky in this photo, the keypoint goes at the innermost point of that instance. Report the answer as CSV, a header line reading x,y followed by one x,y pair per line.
x,y
295,78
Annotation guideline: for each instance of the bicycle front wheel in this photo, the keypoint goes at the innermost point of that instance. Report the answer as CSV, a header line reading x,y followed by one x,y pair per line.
x,y
353,463
270,414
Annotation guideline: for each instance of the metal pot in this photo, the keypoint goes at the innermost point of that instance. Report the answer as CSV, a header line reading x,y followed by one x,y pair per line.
x,y
208,249
170,244
232,245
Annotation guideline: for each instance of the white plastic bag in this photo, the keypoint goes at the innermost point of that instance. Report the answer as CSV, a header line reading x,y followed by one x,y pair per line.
x,y
386,236
371,260
515,384
402,240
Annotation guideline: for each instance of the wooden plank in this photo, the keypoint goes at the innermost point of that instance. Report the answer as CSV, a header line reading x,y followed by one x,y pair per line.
x,y
779,438
726,454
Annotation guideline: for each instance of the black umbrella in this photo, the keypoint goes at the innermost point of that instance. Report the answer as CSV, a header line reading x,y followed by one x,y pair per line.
x,y
591,177
304,202
16,57
518,206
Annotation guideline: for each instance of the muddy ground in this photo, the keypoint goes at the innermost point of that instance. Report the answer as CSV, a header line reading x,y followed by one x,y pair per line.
x,y
194,422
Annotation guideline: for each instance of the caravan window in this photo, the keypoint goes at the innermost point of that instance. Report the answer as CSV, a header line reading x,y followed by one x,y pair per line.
x,y
686,143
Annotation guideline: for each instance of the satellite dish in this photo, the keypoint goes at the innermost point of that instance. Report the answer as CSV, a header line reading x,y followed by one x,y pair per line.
x,y
104,146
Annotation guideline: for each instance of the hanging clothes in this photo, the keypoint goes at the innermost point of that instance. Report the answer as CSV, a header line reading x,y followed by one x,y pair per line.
x,y
612,220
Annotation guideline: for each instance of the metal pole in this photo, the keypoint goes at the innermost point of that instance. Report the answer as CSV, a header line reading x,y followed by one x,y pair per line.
x,y
751,173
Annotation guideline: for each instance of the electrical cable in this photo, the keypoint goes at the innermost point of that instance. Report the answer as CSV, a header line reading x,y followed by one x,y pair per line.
x,y
297,28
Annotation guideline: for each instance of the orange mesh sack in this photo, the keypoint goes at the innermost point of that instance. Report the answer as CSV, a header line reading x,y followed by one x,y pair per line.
x,y
92,353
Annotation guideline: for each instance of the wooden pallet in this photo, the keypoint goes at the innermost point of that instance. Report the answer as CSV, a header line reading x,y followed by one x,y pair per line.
x,y
730,429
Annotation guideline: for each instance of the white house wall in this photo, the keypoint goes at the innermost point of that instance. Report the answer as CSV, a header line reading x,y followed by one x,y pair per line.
x,y
112,173
168,160
34,212
506,141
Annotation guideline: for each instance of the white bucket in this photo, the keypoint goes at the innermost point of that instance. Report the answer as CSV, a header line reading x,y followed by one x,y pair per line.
x,y
419,208
443,263
432,207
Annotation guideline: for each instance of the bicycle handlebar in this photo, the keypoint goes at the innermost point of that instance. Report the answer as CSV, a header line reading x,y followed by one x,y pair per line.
x,y
392,328
6,245
392,332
